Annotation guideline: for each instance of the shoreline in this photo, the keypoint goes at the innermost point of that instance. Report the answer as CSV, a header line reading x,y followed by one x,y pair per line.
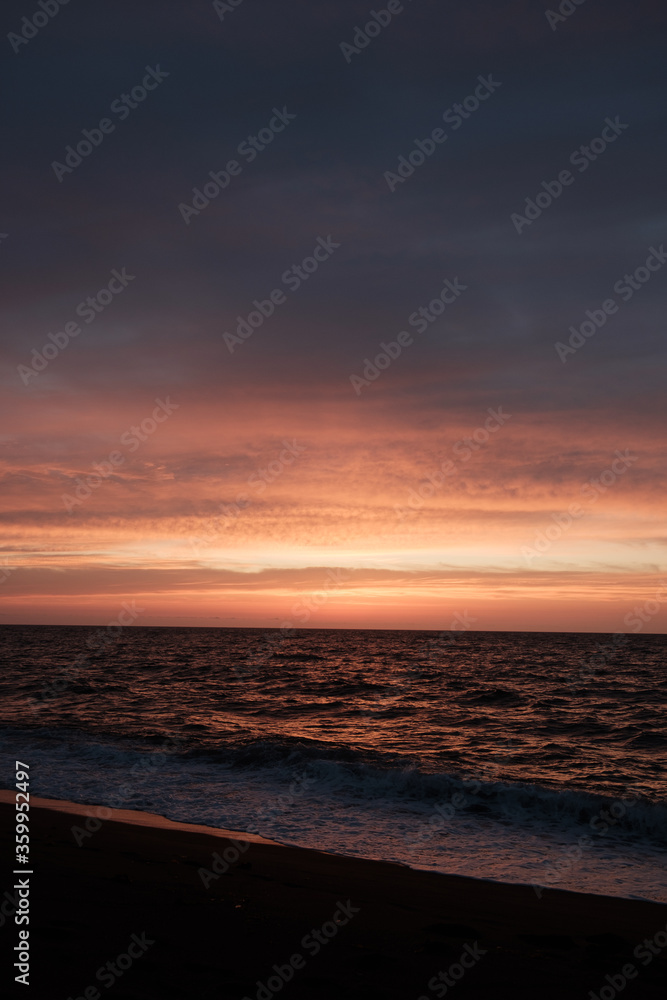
x,y
224,910
158,821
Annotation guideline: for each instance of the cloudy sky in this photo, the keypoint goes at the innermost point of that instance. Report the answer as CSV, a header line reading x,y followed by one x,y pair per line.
x,y
173,436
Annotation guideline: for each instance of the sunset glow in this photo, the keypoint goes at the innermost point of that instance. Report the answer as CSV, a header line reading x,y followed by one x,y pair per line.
x,y
319,369
203,521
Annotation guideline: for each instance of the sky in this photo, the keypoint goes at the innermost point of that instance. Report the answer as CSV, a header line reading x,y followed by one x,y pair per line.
x,y
192,417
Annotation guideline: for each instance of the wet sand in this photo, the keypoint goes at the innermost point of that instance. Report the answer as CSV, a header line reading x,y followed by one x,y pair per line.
x,y
269,920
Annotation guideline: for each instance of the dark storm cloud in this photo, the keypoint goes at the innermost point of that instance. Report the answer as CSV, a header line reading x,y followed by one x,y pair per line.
x,y
324,175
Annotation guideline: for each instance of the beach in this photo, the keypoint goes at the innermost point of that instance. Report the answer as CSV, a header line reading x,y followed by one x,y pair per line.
x,y
153,909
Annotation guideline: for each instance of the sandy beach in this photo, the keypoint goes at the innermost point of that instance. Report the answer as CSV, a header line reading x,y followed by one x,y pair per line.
x,y
152,909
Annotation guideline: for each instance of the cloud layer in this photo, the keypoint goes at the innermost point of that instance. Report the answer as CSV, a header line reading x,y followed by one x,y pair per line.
x,y
205,512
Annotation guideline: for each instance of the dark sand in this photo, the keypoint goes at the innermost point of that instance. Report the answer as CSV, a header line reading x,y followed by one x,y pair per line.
x,y
216,942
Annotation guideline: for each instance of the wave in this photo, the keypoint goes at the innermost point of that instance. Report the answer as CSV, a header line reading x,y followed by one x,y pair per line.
x,y
523,804
347,774
493,696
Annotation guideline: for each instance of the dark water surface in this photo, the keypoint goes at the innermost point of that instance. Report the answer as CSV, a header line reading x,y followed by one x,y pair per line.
x,y
528,757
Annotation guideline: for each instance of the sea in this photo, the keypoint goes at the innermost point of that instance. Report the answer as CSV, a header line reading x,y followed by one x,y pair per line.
x,y
530,758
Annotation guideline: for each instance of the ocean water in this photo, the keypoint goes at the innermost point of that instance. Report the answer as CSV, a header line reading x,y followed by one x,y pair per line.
x,y
523,757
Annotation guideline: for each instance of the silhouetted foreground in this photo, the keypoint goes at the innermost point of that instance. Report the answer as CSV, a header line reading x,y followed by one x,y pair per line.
x,y
150,912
